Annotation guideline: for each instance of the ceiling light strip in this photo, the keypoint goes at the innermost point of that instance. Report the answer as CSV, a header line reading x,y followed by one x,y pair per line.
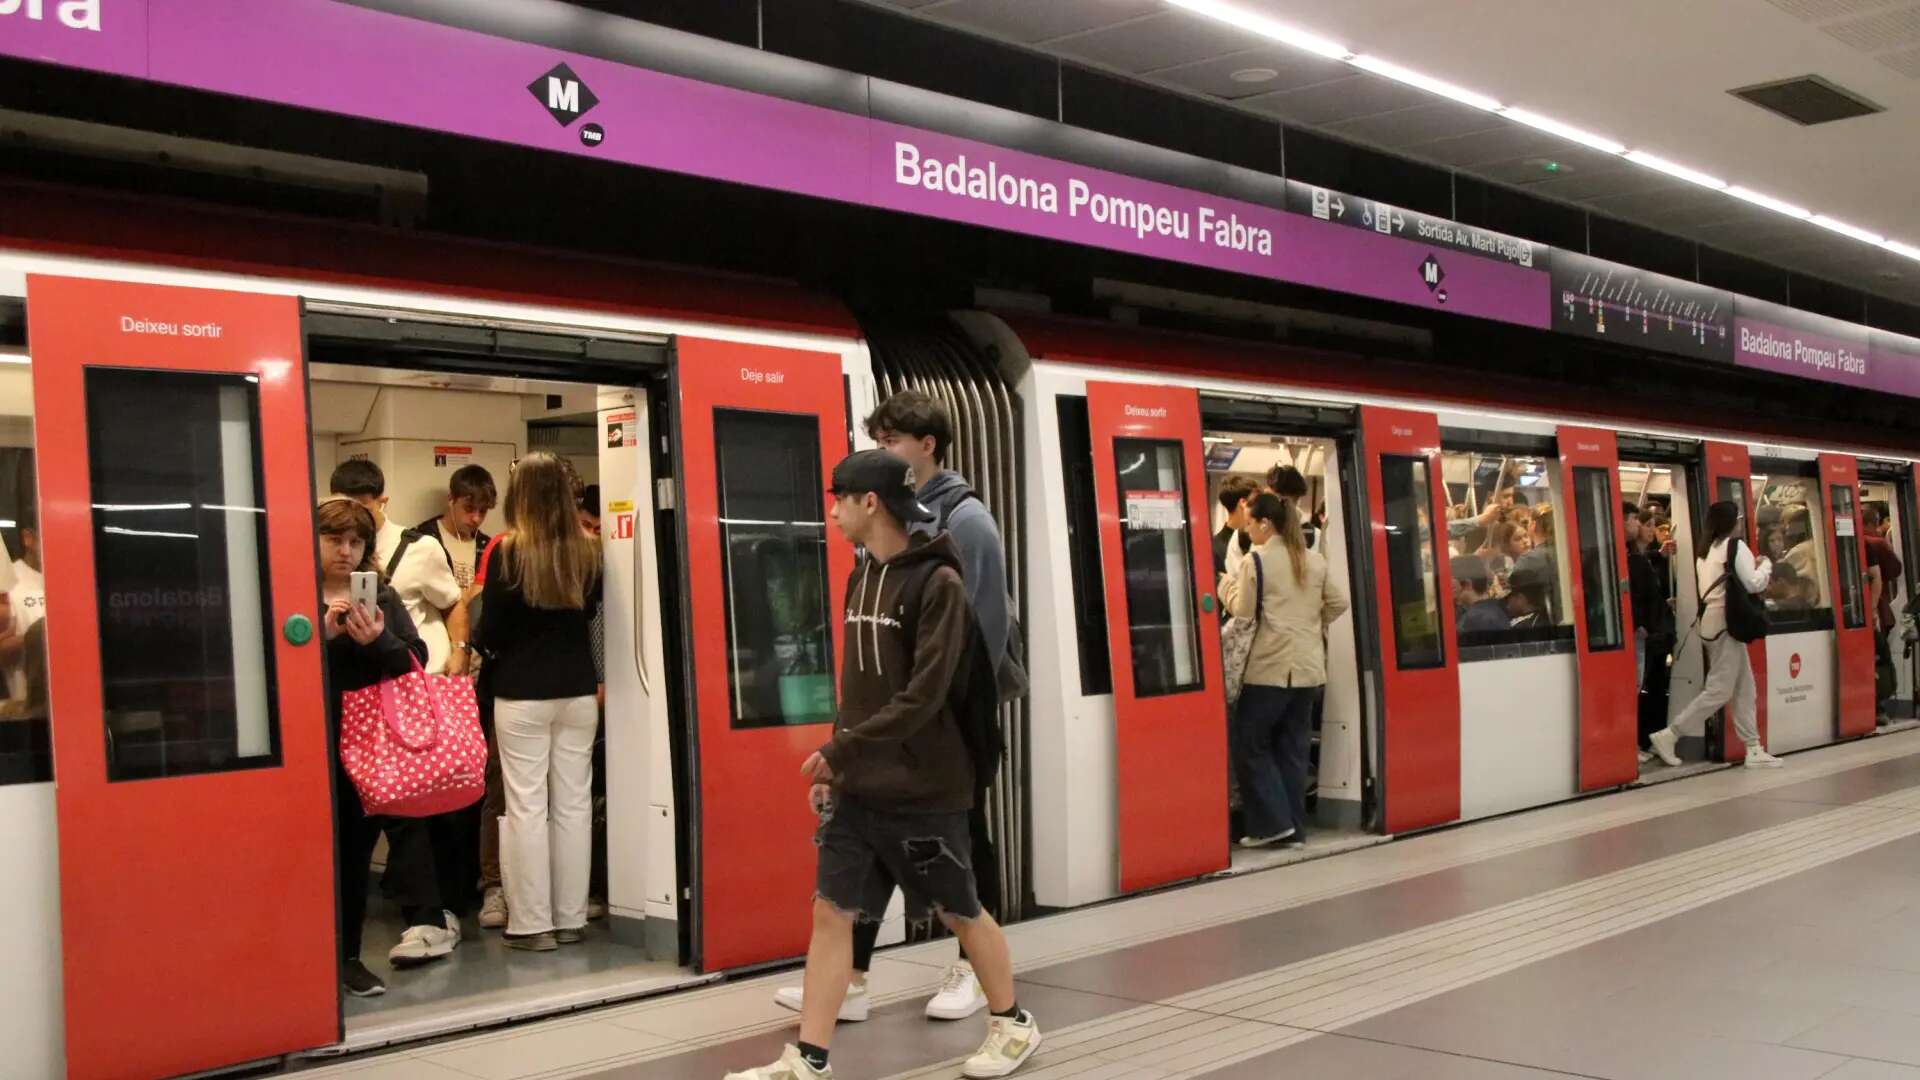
x,y
1234,15
1566,131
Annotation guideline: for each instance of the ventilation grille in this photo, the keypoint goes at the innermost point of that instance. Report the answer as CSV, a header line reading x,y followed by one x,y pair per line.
x,y
1886,30
1808,100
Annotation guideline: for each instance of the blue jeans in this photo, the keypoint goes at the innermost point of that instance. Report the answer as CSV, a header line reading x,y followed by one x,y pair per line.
x,y
1273,744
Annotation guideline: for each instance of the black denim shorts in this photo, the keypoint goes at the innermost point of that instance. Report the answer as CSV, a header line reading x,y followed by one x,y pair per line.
x,y
865,852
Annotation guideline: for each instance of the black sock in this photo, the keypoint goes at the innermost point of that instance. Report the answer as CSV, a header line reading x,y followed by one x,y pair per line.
x,y
816,1056
1012,1013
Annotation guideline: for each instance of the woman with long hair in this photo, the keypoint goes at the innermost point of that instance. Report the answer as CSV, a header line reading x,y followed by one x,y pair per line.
x,y
1729,673
542,589
362,649
1285,588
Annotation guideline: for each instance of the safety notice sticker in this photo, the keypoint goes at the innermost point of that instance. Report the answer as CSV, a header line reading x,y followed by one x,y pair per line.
x,y
452,457
1155,510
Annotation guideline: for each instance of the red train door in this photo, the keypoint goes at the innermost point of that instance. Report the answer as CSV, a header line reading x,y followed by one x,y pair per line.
x,y
1420,672
189,731
1170,714
760,429
1602,619
1854,704
1727,472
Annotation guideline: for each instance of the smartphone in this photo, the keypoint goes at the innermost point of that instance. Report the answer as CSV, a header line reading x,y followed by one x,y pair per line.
x,y
364,591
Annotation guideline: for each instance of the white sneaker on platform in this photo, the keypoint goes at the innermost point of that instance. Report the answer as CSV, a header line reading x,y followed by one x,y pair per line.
x,y
493,909
1646,756
1010,1042
960,996
423,943
1663,742
1760,759
857,1006
791,1066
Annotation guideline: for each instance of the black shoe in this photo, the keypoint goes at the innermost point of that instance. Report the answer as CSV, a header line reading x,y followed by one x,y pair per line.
x,y
360,982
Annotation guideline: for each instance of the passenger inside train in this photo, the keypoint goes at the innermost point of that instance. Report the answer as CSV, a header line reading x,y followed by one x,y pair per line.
x,y
25,741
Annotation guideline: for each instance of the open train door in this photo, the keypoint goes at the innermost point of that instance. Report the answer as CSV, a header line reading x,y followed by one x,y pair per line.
x,y
1602,624
1854,704
1726,470
1169,707
759,431
1419,673
189,724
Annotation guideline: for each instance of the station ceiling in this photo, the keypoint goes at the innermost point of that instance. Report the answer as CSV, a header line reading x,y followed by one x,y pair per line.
x,y
1654,75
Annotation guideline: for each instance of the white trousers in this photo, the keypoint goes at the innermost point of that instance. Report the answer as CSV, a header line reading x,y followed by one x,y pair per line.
x,y
1729,680
546,765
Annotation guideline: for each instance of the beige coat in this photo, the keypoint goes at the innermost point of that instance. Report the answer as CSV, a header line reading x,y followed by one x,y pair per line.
x,y
1289,648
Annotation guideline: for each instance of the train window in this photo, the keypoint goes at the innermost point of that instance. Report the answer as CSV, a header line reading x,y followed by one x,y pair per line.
x,y
1413,579
1597,510
26,747
773,563
1083,545
179,540
1510,581
1156,549
1853,604
1786,512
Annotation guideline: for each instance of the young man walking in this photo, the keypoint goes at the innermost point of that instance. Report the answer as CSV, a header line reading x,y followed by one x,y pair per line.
x,y
894,784
917,428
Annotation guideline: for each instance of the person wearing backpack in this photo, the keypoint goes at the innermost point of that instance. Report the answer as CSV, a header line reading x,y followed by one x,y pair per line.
x,y
892,787
418,571
1729,619
917,428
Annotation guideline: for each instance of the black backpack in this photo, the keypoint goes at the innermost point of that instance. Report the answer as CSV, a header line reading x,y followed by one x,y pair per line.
x,y
1746,611
974,695
1011,676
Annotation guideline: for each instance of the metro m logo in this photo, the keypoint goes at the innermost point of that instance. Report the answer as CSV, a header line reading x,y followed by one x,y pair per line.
x,y
565,97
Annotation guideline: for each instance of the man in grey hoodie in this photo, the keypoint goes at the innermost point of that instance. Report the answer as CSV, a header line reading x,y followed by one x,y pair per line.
x,y
916,427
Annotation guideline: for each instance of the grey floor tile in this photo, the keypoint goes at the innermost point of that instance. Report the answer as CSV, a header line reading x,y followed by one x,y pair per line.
x,y
1339,1057
1853,984
1867,1033
1680,1058
1873,1070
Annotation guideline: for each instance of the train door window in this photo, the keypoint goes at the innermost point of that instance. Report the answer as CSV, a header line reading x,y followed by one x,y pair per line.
x,y
1853,605
1787,512
1083,545
773,556
1412,574
1162,619
1599,567
179,534
1510,577
26,747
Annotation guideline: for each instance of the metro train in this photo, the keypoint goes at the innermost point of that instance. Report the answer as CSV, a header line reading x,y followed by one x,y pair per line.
x,y
165,838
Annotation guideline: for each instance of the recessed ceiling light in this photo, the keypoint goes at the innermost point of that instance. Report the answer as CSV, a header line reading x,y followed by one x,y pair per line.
x,y
1778,206
1660,164
1235,15
1566,131
1899,248
1845,229
1254,75
1428,83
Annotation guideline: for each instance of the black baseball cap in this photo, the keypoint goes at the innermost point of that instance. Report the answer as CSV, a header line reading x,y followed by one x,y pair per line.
x,y
887,475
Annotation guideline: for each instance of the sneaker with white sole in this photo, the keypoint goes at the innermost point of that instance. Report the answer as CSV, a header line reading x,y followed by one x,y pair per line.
x,y
423,943
1646,756
791,1066
1010,1042
1268,841
960,995
493,909
1664,743
855,1007
355,979
1760,759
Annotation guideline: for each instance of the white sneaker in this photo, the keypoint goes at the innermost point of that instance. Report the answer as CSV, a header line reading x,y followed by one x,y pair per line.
x,y
1646,756
423,943
791,1066
1663,742
1758,758
857,1005
493,909
1009,1044
960,996
1266,841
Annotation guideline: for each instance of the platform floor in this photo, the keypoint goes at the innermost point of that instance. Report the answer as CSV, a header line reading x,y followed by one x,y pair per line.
x,y
1742,923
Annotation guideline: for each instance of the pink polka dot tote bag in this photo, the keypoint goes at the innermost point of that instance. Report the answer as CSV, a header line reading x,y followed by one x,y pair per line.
x,y
412,744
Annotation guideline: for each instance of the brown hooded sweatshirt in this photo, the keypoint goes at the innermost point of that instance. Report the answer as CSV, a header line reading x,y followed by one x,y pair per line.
x,y
897,745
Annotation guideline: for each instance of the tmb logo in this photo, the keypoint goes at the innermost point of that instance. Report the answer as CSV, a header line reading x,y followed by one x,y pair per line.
x,y
1793,666
565,97
1432,275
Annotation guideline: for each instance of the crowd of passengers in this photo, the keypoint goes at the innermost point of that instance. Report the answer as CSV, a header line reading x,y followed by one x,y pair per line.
x,y
519,613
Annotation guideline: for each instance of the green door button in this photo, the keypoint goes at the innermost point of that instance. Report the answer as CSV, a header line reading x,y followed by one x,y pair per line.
x,y
1206,603
299,629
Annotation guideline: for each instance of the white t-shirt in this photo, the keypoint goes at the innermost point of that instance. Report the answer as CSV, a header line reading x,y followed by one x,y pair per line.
x,y
463,554
28,594
425,586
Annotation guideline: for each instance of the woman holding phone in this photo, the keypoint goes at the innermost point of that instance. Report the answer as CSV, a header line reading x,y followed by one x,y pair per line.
x,y
542,590
366,643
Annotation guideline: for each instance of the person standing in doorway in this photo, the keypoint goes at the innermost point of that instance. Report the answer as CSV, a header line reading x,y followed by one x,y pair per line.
x,y
1286,589
470,498
1235,491
26,595
540,595
893,785
417,570
918,429
1729,672
1883,584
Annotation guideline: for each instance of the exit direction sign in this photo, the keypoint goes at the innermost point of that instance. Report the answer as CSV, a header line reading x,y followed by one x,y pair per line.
x,y
1340,208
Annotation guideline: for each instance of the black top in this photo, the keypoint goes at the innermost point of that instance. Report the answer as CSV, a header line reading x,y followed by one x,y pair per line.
x,y
353,666
1646,579
534,654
